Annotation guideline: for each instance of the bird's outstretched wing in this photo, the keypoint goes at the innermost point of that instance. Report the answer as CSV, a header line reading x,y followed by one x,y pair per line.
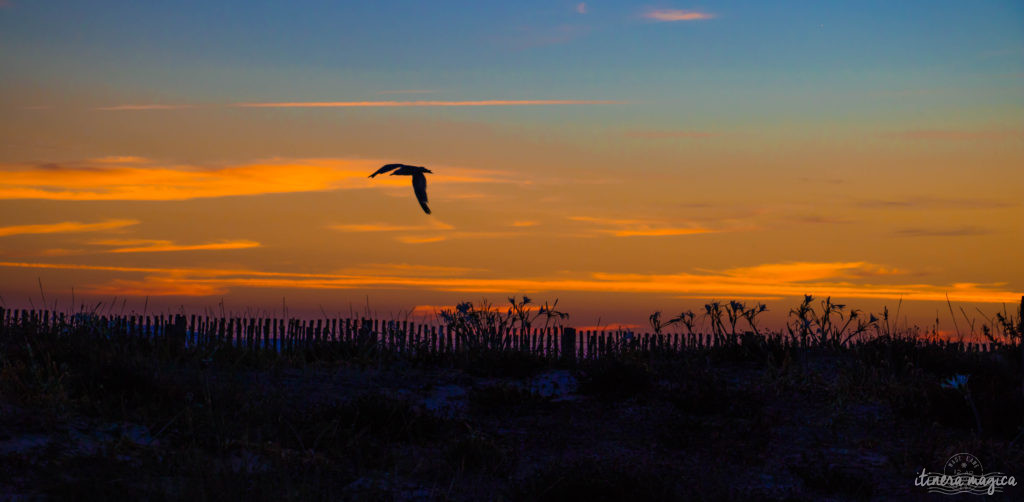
x,y
419,185
387,168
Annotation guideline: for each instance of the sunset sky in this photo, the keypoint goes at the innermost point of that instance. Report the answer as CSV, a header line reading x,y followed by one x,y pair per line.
x,y
621,157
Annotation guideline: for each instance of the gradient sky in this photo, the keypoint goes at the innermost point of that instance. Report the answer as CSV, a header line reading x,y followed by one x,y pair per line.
x,y
621,157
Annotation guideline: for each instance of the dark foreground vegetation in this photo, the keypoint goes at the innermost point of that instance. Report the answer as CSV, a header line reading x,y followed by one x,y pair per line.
x,y
97,408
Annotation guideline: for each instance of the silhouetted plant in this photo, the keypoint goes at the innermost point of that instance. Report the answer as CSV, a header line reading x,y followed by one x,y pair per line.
x,y
552,315
520,311
831,326
713,312
486,326
686,319
1006,330
751,316
799,324
656,324
734,312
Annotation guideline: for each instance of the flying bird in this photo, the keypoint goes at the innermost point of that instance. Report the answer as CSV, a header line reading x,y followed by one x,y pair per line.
x,y
419,181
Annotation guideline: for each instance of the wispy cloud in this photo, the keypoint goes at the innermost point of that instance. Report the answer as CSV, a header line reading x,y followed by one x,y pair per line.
x,y
561,35
65,227
659,232
581,8
732,297
671,15
414,239
388,227
133,178
607,221
393,104
143,107
408,91
835,279
524,223
430,309
158,246
935,203
795,272
819,219
641,228
671,134
470,234
61,252
407,269
958,134
157,286
965,231
120,159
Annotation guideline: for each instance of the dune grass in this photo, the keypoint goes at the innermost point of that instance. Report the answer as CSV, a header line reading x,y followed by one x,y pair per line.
x,y
90,411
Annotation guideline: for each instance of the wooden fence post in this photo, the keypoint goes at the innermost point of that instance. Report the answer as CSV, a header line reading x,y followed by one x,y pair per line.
x,y
568,345
177,333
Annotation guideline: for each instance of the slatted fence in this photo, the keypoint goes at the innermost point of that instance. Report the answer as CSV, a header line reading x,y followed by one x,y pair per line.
x,y
385,336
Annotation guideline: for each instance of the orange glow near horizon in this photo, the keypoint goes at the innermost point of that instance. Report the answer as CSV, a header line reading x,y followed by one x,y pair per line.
x,y
319,227
207,282
624,158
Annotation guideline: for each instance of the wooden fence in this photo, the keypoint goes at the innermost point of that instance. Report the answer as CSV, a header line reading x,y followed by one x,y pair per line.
x,y
397,337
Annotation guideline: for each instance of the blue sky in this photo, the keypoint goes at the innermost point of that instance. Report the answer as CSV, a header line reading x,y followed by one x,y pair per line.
x,y
326,50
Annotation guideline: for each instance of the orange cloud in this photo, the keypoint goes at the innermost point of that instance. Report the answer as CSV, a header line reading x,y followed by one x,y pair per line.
x,y
153,246
60,252
408,269
431,309
132,178
805,271
963,231
411,239
676,15
659,232
640,228
121,108
731,297
525,223
775,280
65,227
391,104
387,227
120,159
606,221
424,239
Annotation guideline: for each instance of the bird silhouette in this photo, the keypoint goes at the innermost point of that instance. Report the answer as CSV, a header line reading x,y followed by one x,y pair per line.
x,y
419,181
